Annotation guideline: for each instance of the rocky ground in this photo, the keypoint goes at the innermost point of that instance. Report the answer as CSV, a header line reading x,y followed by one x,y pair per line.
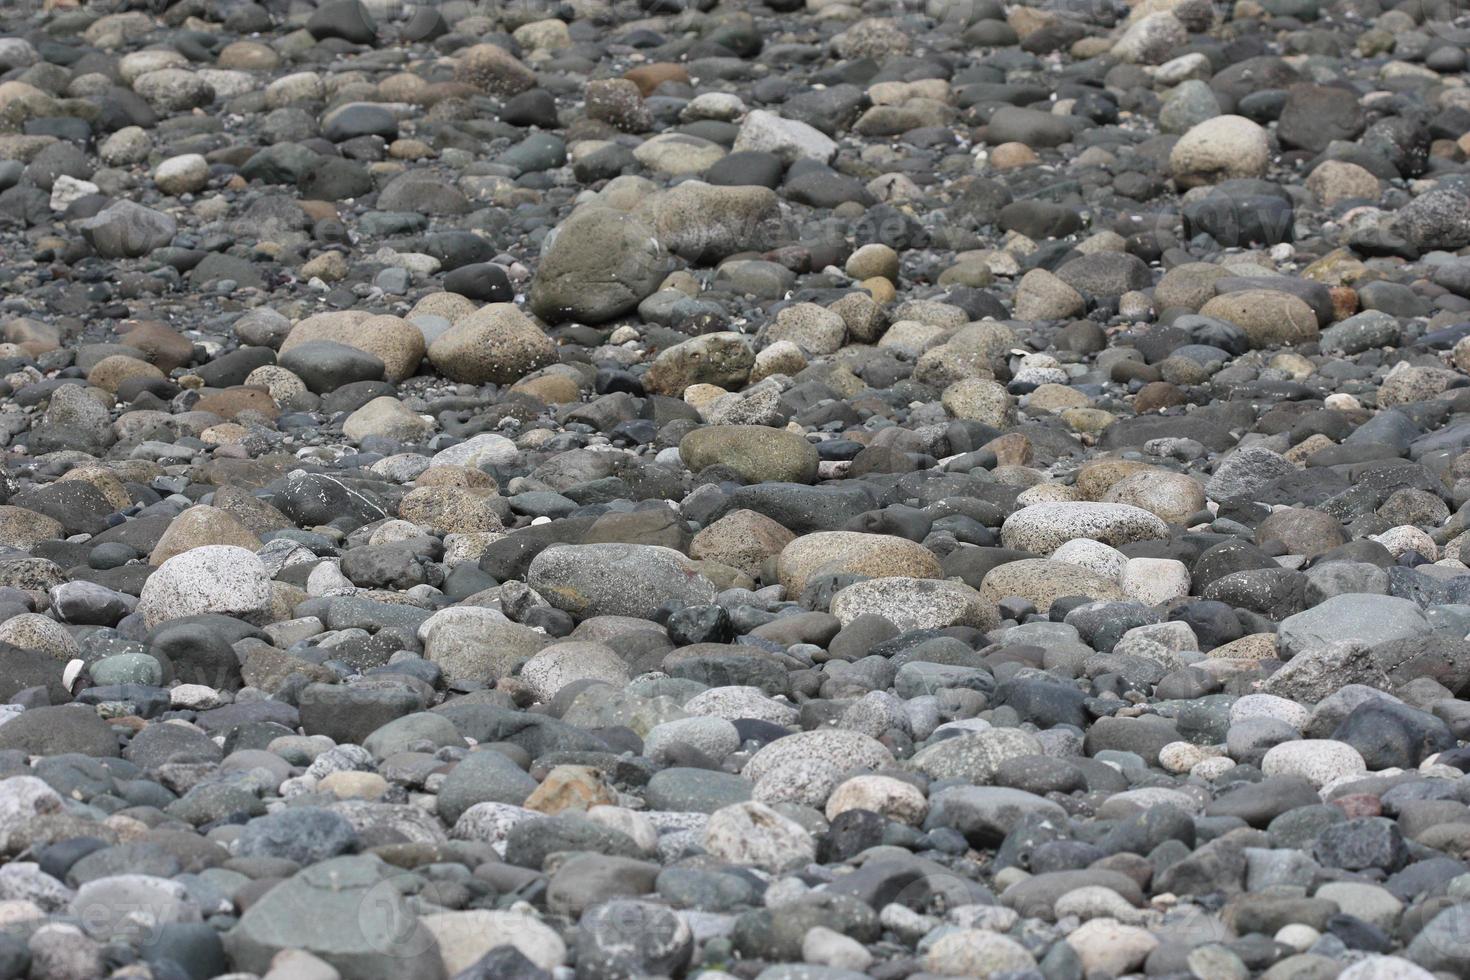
x,y
734,488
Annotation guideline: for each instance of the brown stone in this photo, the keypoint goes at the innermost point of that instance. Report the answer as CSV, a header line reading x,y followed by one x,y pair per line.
x,y
110,372
1344,302
394,341
105,480
199,526
318,210
741,539
1355,805
445,475
576,788
250,511
1011,449
650,77
230,402
1012,156
34,337
1156,396
165,348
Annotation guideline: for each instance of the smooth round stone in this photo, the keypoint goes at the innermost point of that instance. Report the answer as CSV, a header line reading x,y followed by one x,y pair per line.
x,y
1042,528
1319,761
127,668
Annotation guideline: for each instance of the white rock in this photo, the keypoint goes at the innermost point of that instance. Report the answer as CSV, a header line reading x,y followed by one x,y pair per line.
x,y
894,798
636,825
714,737
1298,935
848,749
724,106
196,697
1178,757
32,631
229,83
1096,902
788,139
209,579
476,451
1043,528
130,67
1317,760
1406,538
128,145
327,579
17,52
1212,768
1111,947
1151,39
828,947
131,907
67,189
1385,968
1155,581
1219,149
738,701
466,936
913,603
1183,68
490,823
183,174
1270,706
1369,902
1096,557
805,782
753,834
560,664
975,953
24,799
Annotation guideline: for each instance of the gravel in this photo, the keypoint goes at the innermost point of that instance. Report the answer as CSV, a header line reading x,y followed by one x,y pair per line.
x,y
733,488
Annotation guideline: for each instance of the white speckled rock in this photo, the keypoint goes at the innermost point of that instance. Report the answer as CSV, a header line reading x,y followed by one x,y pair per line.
x,y
32,631
211,579
827,947
1270,706
913,604
563,663
806,782
1042,528
789,139
715,737
851,750
490,823
1096,557
1369,902
182,174
24,800
616,579
974,758
1109,947
1043,581
755,835
1096,902
894,798
1385,968
466,936
877,555
1155,581
1317,760
739,701
1405,538
476,451
976,953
